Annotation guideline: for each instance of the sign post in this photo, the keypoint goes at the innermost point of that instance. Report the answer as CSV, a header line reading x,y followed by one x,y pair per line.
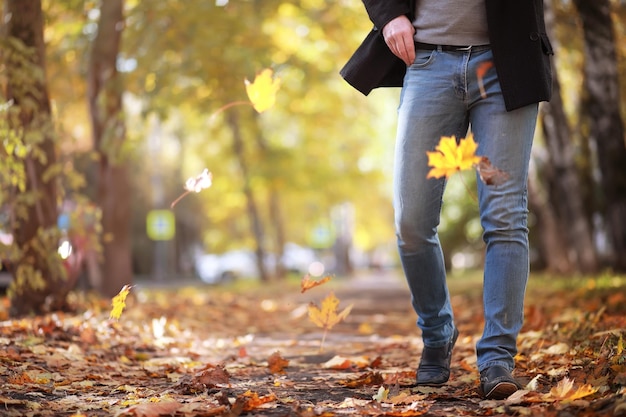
x,y
160,227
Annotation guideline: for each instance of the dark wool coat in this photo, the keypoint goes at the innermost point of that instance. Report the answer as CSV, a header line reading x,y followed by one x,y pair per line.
x,y
518,40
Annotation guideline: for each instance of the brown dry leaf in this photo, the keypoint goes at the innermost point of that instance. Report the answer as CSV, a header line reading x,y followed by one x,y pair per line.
x,y
404,378
307,283
405,397
167,408
564,391
20,379
489,174
377,362
277,364
366,379
212,376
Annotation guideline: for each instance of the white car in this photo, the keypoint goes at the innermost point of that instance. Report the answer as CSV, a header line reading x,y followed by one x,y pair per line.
x,y
242,264
215,269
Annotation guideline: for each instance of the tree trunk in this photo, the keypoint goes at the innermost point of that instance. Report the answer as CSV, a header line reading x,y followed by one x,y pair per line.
x,y
562,176
38,274
276,217
114,191
251,204
602,111
274,205
552,245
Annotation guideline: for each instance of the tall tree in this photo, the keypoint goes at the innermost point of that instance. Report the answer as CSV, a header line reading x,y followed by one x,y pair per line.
x,y
560,173
256,224
114,190
602,112
38,274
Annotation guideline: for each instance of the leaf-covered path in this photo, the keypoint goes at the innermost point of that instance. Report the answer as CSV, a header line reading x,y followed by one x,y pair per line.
x,y
207,351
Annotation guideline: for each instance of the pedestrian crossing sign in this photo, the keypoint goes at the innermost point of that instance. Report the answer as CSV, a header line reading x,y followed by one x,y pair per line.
x,y
160,225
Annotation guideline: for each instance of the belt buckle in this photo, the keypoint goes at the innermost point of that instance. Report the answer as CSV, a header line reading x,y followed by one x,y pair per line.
x,y
465,49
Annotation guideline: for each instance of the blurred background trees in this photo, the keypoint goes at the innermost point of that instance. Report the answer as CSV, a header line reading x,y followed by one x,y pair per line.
x,y
134,87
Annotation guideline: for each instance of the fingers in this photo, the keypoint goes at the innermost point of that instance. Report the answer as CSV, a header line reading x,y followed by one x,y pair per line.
x,y
398,35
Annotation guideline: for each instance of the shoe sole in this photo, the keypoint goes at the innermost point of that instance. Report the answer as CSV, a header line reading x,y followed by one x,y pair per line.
x,y
501,391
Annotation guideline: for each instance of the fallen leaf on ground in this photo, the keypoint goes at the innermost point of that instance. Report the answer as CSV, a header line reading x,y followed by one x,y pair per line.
x,y
167,408
277,364
340,362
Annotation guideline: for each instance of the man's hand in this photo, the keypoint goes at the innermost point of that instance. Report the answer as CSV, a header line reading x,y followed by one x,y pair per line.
x,y
398,35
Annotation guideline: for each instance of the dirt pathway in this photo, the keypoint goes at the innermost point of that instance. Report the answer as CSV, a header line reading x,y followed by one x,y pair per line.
x,y
206,351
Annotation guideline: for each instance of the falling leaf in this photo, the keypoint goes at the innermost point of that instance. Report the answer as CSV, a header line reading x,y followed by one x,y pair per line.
x,y
119,302
195,184
199,182
451,156
326,317
276,363
480,74
307,283
262,92
489,174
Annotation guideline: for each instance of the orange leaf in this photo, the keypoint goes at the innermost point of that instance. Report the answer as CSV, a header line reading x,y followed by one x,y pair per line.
x,y
153,409
481,71
252,400
307,283
276,363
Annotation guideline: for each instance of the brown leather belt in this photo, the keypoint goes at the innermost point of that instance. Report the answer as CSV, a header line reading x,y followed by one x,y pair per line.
x,y
450,48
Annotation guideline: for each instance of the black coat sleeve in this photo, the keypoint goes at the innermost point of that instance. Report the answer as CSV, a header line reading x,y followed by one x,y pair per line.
x,y
382,12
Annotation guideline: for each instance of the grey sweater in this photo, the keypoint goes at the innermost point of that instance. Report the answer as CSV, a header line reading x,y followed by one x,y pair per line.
x,y
451,22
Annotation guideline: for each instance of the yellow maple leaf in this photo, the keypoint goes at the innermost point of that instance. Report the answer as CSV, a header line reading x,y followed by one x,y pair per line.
x,y
119,302
451,156
262,92
326,317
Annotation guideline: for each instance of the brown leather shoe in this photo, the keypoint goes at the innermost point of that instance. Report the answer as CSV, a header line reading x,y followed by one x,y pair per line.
x,y
497,383
434,367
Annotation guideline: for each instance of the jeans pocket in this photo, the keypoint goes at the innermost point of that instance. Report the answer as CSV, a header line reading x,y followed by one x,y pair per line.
x,y
423,58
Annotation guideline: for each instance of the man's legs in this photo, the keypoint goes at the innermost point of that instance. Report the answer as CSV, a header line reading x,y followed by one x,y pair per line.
x,y
440,90
506,139
430,108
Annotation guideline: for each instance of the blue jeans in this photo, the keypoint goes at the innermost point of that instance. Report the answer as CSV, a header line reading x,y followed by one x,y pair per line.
x,y
442,96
